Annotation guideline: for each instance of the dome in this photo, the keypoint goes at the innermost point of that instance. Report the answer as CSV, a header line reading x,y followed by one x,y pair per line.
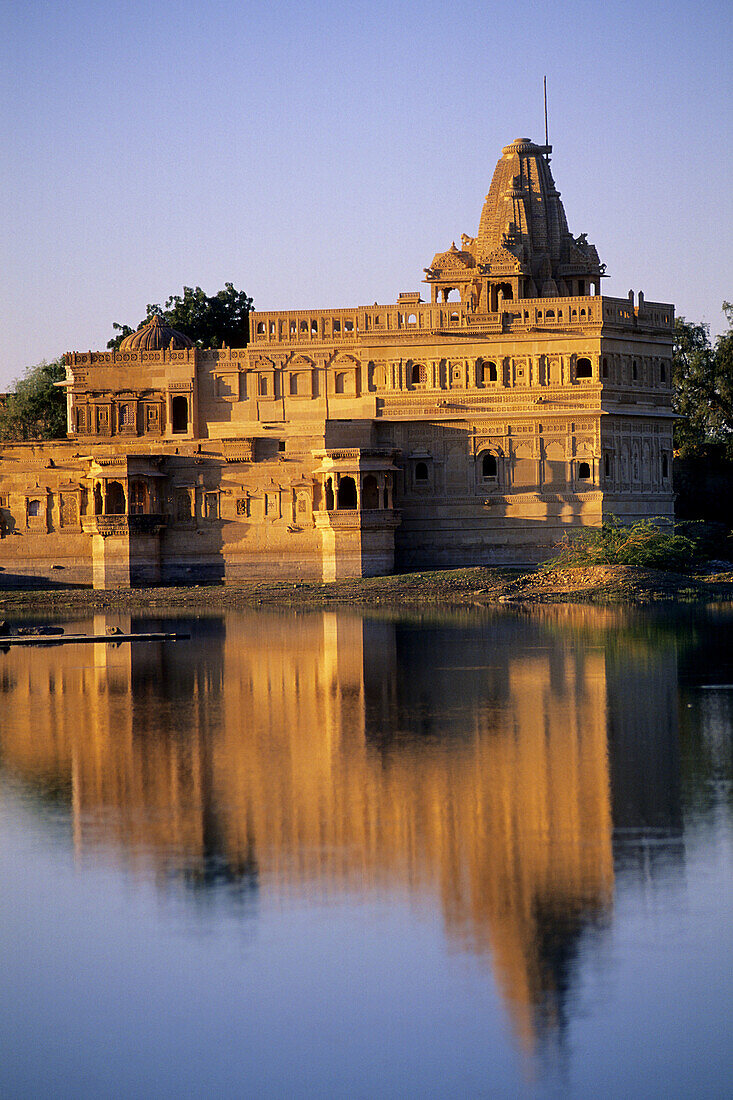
x,y
155,336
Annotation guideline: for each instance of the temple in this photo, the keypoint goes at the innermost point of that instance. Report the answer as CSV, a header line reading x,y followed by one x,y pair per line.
x,y
476,427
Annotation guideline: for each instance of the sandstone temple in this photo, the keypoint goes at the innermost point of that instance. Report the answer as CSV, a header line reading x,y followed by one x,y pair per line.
x,y
475,427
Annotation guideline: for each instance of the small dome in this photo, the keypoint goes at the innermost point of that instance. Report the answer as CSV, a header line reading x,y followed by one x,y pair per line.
x,y
155,336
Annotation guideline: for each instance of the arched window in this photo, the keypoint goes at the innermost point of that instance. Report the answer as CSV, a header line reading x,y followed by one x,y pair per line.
x,y
489,467
490,372
550,315
115,499
179,414
370,492
418,374
304,326
412,319
583,471
583,369
341,383
260,328
454,318
347,493
34,507
421,472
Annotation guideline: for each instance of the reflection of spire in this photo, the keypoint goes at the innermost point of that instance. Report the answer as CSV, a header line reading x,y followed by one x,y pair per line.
x,y
469,767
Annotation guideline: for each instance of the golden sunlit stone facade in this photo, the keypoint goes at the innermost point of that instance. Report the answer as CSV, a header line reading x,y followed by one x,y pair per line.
x,y
473,428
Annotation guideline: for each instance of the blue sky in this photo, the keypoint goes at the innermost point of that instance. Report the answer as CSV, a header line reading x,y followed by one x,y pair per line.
x,y
319,154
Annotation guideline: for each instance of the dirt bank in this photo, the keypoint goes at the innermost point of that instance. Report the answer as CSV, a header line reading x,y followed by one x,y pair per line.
x,y
479,585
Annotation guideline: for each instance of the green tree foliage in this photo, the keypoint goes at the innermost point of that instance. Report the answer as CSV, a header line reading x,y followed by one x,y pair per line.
x,y
702,376
211,322
615,543
35,408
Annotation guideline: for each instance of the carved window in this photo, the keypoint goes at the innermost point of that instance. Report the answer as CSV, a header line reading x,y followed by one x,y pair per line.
x,y
412,319
418,374
241,506
490,372
304,327
127,416
68,509
183,506
583,471
34,508
583,369
260,328
211,506
421,472
138,498
348,326
263,386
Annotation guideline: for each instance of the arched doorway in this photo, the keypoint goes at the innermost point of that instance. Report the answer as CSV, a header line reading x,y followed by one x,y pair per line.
x,y
179,414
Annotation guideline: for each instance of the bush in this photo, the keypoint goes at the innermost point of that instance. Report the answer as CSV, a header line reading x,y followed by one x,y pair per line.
x,y
616,543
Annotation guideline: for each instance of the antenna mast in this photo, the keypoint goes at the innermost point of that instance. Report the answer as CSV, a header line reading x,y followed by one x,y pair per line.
x,y
544,84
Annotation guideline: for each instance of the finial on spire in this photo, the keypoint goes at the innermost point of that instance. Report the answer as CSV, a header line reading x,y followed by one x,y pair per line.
x,y
547,142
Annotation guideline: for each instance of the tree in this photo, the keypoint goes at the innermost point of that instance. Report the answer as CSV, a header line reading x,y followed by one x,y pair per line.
x,y
36,408
211,322
702,377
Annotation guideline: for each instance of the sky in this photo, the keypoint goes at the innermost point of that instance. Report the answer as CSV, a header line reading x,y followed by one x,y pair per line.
x,y
319,154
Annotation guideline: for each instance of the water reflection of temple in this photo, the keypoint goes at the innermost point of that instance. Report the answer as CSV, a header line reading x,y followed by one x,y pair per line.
x,y
354,755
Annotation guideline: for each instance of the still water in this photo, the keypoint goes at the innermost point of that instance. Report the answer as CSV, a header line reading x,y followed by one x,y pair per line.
x,y
321,854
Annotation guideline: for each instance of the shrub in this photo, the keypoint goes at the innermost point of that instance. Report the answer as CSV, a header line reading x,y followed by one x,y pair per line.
x,y
615,543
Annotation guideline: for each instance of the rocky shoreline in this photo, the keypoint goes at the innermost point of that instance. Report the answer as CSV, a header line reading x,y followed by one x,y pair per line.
x,y
453,587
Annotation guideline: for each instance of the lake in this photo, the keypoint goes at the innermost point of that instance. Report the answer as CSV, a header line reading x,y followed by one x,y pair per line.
x,y
320,854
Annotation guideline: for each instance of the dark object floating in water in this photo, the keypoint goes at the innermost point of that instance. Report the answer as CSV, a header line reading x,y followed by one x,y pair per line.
x,y
115,636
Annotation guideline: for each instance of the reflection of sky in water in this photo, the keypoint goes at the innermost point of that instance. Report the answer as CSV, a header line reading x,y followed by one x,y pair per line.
x,y
319,854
